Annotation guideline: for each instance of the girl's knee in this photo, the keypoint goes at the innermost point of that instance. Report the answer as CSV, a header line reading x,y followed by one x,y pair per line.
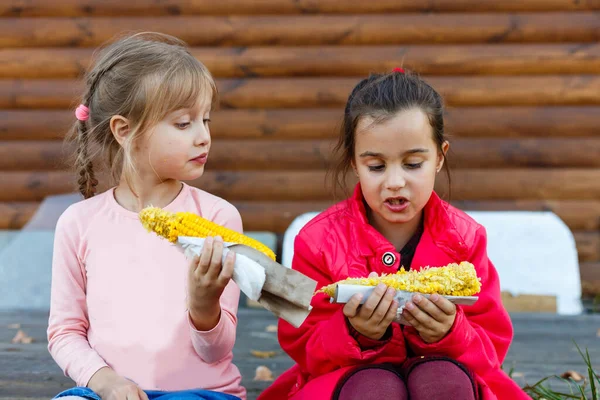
x,y
370,383
440,379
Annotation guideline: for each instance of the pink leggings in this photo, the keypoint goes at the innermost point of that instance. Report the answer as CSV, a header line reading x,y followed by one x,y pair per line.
x,y
429,380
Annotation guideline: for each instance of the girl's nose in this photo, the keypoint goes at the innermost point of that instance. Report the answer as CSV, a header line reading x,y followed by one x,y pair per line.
x,y
395,180
202,137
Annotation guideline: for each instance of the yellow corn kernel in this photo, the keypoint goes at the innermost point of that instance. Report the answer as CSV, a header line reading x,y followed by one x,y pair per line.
x,y
172,225
451,280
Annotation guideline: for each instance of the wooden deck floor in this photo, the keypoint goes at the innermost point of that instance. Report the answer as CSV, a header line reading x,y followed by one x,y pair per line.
x,y
543,345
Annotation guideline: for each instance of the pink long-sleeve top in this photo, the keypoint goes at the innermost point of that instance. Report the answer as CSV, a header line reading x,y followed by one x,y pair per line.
x,y
119,300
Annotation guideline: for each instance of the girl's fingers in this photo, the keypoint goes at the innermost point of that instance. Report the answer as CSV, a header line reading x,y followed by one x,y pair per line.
x,y
419,315
367,309
193,265
373,275
143,395
430,308
216,261
384,306
391,313
443,304
351,307
227,270
133,395
410,319
205,256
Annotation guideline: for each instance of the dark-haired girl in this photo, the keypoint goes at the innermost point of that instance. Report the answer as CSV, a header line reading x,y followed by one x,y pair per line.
x,y
393,140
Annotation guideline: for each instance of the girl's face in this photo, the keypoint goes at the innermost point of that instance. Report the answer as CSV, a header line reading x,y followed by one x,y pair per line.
x,y
396,162
177,147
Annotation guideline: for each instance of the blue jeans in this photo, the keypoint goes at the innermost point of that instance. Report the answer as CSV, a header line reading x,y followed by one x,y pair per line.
x,y
194,394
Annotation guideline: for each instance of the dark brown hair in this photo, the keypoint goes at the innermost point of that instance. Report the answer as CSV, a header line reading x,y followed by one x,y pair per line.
x,y
381,97
142,77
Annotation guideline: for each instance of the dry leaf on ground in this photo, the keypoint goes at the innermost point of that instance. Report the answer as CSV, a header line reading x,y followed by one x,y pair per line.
x,y
263,374
14,326
576,376
263,354
22,337
273,328
517,375
598,333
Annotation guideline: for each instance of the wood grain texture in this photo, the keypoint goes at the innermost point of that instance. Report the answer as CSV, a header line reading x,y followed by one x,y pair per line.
x,y
307,155
112,8
470,184
553,122
334,60
308,92
312,30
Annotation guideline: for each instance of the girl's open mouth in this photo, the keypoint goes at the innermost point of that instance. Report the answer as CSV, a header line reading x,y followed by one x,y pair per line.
x,y
396,204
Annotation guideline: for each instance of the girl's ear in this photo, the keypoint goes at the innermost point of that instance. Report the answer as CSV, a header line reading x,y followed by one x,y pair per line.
x,y
354,168
119,126
441,155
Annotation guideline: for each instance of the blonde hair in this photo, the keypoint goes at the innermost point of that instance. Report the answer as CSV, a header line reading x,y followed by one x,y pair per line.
x,y
142,77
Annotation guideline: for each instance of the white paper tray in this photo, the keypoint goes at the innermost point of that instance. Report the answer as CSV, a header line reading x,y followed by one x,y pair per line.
x,y
344,292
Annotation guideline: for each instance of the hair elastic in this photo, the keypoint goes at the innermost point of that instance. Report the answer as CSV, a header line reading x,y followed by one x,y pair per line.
x,y
82,113
398,70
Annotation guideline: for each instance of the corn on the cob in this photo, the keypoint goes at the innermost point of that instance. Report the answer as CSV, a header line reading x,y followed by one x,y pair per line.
x,y
172,225
451,280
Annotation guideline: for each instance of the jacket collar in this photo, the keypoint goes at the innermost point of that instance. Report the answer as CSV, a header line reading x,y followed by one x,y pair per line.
x,y
437,224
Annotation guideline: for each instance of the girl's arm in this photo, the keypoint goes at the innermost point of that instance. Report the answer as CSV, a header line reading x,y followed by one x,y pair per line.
x,y
216,343
324,342
481,333
68,322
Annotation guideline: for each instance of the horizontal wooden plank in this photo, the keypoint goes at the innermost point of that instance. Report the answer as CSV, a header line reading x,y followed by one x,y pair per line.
x,y
276,216
32,156
458,91
464,153
318,154
284,124
35,124
472,184
48,94
524,184
505,59
590,278
76,8
309,30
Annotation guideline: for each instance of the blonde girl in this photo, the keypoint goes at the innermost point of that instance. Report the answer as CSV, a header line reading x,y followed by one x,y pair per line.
x,y
130,317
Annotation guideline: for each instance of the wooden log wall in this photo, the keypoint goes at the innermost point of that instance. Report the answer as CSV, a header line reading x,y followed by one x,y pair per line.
x,y
521,80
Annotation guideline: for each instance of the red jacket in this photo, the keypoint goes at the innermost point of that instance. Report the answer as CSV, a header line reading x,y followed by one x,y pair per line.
x,y
340,243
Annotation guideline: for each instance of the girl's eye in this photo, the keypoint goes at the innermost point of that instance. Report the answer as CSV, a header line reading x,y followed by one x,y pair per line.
x,y
414,166
206,120
376,167
182,125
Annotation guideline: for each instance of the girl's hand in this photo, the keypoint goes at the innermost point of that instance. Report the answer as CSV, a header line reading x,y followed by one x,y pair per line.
x,y
432,317
207,279
107,384
373,318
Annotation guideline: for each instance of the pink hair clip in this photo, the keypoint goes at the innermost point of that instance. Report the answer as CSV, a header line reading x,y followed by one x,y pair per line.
x,y
82,113
398,70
